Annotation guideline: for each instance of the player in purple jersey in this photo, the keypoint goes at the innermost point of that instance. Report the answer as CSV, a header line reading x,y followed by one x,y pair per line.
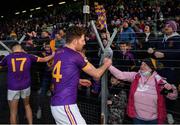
x,y
68,62
19,79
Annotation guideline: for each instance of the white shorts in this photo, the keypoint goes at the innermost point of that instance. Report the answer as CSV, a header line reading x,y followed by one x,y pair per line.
x,y
67,114
16,94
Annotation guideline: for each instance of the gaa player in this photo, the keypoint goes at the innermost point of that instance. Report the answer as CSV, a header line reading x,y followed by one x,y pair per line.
x,y
68,63
19,79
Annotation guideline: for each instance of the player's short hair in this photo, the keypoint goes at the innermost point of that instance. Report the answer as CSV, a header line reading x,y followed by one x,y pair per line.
x,y
15,45
74,32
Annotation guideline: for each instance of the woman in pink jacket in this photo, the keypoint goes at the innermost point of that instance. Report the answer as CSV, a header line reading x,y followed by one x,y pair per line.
x,y
146,104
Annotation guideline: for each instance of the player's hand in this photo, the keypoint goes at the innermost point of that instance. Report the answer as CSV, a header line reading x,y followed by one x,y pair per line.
x,y
107,62
85,82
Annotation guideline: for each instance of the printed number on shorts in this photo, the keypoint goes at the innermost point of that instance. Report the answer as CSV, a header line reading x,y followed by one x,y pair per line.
x,y
56,71
15,60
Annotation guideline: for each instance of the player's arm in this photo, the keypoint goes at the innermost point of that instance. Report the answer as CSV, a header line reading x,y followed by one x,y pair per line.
x,y
96,73
46,59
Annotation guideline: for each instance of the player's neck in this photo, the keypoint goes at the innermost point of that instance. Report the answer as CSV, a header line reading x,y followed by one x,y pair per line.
x,y
16,51
70,46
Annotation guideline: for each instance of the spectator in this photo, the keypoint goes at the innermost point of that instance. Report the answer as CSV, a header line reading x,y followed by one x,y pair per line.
x,y
104,37
170,47
45,81
59,40
117,101
148,36
127,35
169,55
146,98
126,56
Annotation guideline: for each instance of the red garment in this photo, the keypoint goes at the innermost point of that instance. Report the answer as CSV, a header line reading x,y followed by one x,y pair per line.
x,y
161,111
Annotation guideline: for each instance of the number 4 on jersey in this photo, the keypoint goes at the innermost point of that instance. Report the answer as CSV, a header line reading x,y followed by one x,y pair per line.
x,y
56,71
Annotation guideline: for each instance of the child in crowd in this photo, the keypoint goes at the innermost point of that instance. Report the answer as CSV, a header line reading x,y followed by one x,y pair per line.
x,y
117,101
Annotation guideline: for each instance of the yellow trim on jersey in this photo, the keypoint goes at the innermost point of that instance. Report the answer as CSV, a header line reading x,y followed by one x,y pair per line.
x,y
86,66
0,67
70,115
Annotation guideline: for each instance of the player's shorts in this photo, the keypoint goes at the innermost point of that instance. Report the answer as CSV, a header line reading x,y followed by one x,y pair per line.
x,y
16,94
67,114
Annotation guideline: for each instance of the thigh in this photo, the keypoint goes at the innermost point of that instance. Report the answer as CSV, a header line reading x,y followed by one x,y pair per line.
x,y
68,114
74,111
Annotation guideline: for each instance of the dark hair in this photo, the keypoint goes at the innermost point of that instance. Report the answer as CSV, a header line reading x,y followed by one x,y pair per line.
x,y
74,32
123,42
150,27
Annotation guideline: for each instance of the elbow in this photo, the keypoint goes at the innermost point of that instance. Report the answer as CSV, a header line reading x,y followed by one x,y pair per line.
x,y
97,77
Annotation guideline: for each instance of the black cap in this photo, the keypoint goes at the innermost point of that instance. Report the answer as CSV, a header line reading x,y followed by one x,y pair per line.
x,y
152,63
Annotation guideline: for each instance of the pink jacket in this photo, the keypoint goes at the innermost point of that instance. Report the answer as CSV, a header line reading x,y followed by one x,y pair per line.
x,y
134,77
160,102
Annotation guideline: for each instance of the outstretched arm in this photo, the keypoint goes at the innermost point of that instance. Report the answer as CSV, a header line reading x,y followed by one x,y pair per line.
x,y
96,73
125,76
46,59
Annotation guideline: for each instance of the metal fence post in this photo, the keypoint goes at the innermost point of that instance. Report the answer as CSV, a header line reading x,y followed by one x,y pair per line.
x,y
104,79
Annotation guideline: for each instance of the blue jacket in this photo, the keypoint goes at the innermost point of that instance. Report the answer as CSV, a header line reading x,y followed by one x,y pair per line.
x,y
127,35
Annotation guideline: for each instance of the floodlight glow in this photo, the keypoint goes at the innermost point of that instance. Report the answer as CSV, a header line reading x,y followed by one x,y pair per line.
x,y
38,8
17,13
62,2
24,11
50,5
31,9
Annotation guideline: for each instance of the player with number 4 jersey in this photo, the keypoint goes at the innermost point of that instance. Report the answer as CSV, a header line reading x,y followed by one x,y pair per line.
x,y
68,62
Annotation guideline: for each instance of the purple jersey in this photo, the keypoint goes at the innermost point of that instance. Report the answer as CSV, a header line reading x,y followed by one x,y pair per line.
x,y
66,73
19,65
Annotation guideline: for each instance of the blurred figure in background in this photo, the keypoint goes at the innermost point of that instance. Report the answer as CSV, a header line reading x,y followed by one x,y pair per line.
x,y
117,101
